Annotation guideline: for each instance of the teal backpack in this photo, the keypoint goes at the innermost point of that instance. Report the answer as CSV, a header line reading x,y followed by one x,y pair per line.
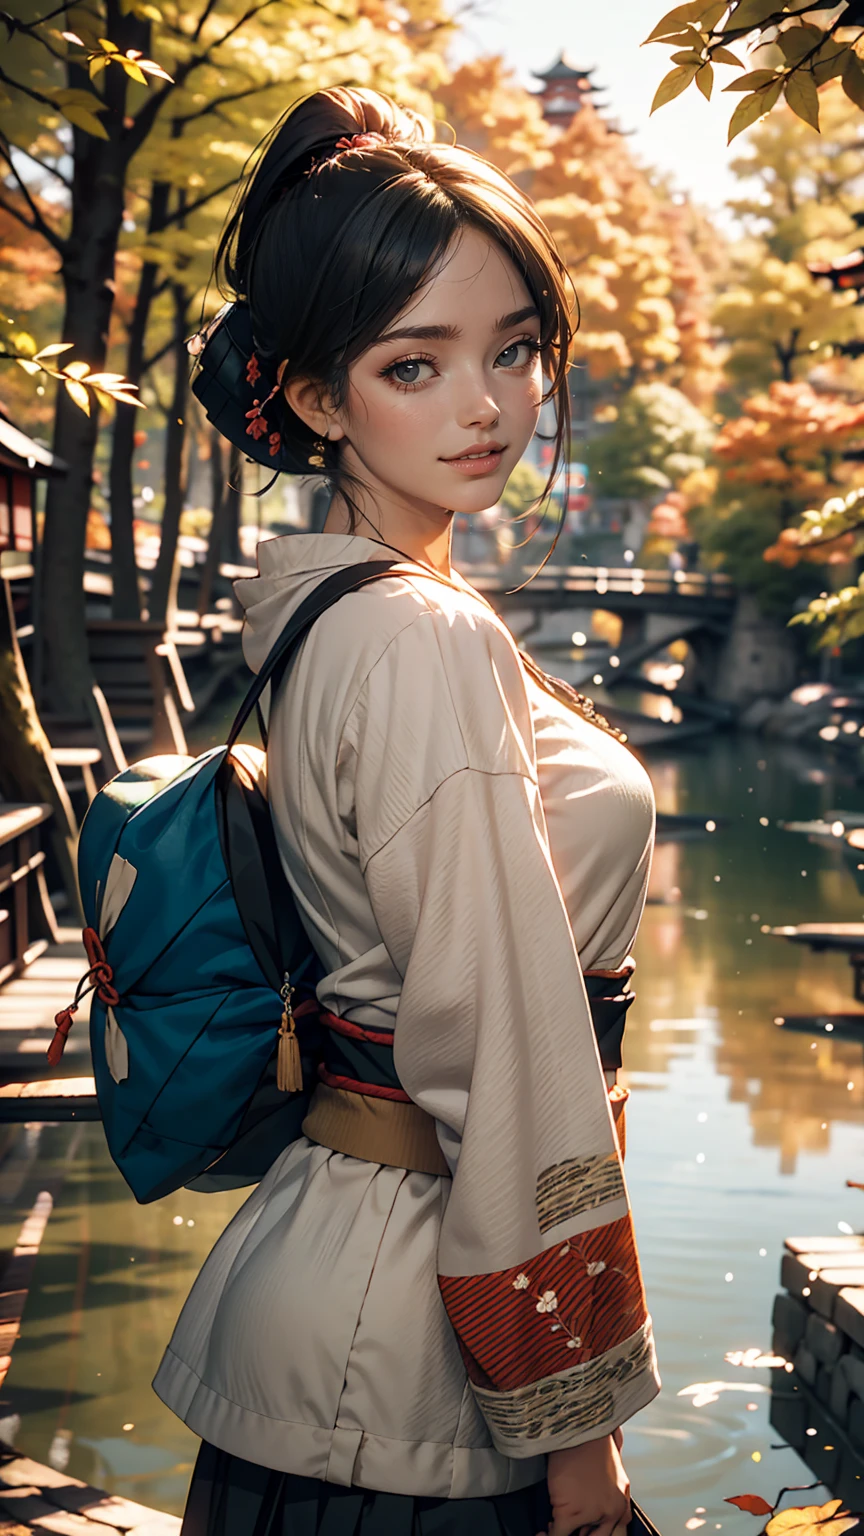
x,y
199,963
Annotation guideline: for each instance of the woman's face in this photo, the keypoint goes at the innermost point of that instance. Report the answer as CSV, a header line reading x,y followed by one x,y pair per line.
x,y
442,407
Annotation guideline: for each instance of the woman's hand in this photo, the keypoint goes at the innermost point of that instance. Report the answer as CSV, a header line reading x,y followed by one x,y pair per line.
x,y
589,1489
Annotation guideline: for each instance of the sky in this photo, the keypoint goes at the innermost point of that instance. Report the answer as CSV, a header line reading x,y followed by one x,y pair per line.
x,y
687,137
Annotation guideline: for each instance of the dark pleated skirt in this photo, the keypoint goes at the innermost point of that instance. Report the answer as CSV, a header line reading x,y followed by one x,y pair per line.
x,y
232,1497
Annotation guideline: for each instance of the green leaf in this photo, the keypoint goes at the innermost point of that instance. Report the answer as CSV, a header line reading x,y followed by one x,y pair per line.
x,y
752,13
803,97
852,80
755,80
828,65
73,98
751,108
675,19
705,80
794,42
681,16
673,84
86,121
725,56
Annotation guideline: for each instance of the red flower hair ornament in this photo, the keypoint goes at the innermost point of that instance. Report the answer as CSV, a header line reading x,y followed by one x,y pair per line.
x,y
361,141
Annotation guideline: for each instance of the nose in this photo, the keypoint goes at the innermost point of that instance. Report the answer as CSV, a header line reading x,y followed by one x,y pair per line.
x,y
476,405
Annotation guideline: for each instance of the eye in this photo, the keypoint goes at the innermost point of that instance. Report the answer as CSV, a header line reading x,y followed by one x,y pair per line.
x,y
519,354
410,371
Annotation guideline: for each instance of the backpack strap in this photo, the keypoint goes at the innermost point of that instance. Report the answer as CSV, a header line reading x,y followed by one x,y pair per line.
x,y
349,579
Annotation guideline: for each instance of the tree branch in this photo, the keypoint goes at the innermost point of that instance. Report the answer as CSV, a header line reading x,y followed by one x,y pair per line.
x,y
150,362
43,165
147,114
26,90
220,101
39,225
206,197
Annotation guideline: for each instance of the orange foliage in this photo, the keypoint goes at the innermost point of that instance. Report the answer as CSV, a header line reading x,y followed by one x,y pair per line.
x,y
789,551
790,437
493,115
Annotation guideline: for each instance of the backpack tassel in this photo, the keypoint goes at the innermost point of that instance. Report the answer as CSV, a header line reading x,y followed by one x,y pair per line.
x,y
100,976
289,1069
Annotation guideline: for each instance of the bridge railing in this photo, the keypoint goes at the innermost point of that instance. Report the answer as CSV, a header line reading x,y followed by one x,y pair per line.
x,y
598,579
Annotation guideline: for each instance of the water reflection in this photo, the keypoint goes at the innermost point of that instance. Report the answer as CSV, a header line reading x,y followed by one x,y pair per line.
x,y
738,1135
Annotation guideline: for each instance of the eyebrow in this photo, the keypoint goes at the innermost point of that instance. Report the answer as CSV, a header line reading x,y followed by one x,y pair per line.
x,y
452,332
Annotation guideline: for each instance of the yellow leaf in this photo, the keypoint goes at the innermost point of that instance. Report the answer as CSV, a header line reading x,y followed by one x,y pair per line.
x,y
852,81
28,367
673,84
155,69
803,97
24,342
78,393
725,56
98,62
106,43
77,370
54,350
688,56
132,70
751,108
128,399
85,121
712,13
705,80
812,1520
675,19
755,80
751,13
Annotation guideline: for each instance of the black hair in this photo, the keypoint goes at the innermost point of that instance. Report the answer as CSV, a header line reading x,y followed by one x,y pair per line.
x,y
328,242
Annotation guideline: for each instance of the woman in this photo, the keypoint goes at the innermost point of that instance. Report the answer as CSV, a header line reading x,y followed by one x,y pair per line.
x,y
432,1302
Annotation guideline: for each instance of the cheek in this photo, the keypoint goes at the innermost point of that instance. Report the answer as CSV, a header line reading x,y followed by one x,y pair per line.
x,y
393,420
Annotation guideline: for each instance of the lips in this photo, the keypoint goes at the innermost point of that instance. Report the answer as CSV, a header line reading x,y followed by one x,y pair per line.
x,y
476,451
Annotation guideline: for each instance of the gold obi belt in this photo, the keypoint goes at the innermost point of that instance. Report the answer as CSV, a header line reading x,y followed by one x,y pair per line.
x,y
359,1107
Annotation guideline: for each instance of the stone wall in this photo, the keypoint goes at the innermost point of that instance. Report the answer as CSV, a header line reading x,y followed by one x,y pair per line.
x,y
818,1396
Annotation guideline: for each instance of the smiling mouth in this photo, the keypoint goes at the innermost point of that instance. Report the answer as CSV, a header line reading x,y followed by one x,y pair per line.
x,y
478,455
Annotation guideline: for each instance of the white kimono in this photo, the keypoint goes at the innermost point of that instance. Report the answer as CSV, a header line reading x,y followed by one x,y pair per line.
x,y
454,838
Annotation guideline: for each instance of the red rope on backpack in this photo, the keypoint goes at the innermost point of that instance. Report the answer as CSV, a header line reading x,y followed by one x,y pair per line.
x,y
100,976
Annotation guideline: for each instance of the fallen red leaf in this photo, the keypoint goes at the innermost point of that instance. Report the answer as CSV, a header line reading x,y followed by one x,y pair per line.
x,y
753,1503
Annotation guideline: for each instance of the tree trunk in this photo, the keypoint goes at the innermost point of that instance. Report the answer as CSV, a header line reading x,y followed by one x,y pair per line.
x,y
219,503
27,770
126,601
174,479
98,186
231,525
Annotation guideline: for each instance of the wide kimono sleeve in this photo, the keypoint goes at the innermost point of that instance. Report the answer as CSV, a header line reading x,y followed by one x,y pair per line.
x,y
537,1264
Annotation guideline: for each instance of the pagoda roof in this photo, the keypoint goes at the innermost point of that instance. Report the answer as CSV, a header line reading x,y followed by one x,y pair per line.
x,y
18,451
563,70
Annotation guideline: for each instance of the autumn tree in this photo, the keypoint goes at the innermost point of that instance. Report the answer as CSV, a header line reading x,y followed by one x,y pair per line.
x,y
785,451
657,439
94,89
802,192
627,256
491,113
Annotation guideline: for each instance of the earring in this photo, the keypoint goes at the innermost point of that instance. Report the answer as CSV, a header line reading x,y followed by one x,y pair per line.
x,y
316,459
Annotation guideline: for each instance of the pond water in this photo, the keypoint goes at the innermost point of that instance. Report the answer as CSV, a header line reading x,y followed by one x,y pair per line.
x,y
739,1134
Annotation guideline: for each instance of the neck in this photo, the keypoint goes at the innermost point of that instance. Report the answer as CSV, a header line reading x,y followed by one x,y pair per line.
x,y
414,533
